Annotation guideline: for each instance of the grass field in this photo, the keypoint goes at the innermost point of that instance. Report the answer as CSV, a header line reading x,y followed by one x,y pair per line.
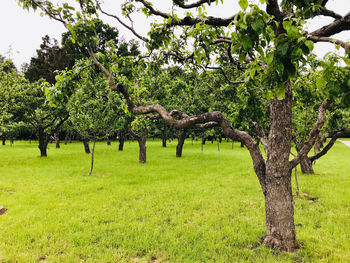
x,y
203,207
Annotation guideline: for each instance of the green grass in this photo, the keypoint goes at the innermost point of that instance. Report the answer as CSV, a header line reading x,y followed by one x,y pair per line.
x,y
203,207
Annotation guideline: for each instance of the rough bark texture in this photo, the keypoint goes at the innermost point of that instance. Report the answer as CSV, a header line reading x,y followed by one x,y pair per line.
x,y
180,143
279,204
86,146
306,166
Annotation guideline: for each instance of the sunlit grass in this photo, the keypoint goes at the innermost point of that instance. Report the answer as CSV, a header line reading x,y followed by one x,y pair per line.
x,y
204,207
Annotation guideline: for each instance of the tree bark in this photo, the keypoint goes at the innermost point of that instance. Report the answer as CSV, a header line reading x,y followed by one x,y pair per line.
x,y
306,166
142,146
92,156
57,139
3,141
86,146
108,142
203,140
43,141
121,139
163,138
66,138
180,143
279,204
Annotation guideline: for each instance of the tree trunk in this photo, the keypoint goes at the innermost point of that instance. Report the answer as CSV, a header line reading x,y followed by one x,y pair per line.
x,y
121,140
86,146
279,204
57,139
66,138
108,142
142,146
163,138
180,143
242,144
3,141
306,166
43,141
92,157
203,140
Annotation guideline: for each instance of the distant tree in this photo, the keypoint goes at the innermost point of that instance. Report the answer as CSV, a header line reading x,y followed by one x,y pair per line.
x,y
49,59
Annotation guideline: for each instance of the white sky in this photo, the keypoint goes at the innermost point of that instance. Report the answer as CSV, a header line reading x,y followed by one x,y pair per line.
x,y
21,31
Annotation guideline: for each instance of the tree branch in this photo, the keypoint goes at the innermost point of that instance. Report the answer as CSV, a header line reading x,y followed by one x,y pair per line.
x,y
337,26
343,44
131,28
193,5
330,144
188,21
321,118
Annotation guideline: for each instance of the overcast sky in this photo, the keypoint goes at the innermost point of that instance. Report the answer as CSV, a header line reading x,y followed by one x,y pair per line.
x,y
22,31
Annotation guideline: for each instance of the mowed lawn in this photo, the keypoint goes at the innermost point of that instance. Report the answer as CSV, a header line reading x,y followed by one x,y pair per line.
x,y
204,207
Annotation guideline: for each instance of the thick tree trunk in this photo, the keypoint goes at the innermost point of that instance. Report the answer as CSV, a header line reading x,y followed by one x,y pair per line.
x,y
279,204
92,156
163,138
121,140
306,166
57,139
86,146
43,141
180,143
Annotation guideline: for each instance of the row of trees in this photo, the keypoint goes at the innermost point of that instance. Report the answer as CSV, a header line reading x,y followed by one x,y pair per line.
x,y
245,74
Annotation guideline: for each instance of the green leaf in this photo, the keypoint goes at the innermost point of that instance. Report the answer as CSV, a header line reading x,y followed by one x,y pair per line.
x,y
243,4
269,58
296,53
258,25
309,44
247,43
282,49
280,91
347,100
347,61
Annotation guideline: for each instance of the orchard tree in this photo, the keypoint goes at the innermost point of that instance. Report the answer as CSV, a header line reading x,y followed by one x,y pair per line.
x,y
267,41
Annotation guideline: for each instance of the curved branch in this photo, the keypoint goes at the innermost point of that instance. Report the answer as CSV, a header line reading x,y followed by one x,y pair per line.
x,y
131,28
337,26
193,5
343,44
321,118
326,12
188,21
215,116
330,144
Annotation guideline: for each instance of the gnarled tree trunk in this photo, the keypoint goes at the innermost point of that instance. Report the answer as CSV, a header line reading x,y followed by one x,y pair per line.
x,y
279,204
141,139
180,143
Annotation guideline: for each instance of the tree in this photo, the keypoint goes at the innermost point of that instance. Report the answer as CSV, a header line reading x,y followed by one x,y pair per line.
x,y
267,43
50,58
